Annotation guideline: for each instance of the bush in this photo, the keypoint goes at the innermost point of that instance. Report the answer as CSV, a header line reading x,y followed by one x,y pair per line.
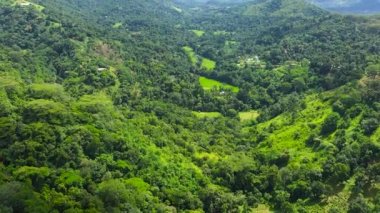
x,y
46,111
359,205
369,125
330,124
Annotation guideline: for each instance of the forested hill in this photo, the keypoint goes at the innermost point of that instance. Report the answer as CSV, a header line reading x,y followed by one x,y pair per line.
x,y
175,106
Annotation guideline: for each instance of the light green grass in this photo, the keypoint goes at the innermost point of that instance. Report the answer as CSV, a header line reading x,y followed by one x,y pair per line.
x,y
261,208
208,64
207,114
117,25
248,116
376,136
282,138
198,33
191,55
221,32
208,84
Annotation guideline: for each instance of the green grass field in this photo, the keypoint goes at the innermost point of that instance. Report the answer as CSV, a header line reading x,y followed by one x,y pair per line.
x,y
208,64
208,84
198,33
207,114
191,54
248,116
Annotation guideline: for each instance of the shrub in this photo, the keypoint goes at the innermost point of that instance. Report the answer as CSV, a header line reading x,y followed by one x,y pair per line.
x,y
330,124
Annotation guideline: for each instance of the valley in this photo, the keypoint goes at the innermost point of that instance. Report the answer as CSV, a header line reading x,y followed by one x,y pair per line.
x,y
180,106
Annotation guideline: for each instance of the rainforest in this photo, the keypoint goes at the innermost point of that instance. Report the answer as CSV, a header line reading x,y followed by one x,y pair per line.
x,y
188,106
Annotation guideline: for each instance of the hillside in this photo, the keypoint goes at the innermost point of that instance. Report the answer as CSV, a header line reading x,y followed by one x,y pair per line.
x,y
171,106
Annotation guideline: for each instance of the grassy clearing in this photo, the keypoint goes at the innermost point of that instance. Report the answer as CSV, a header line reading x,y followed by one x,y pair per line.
x,y
198,33
208,84
117,25
261,208
191,54
341,199
207,114
208,64
291,136
248,116
23,3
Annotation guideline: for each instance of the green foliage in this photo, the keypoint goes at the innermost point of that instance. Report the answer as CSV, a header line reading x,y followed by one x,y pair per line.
x,y
330,124
47,91
217,200
359,205
102,108
370,125
70,178
113,193
46,111
17,197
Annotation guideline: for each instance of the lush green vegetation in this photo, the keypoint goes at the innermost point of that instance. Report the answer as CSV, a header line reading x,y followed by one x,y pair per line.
x,y
118,106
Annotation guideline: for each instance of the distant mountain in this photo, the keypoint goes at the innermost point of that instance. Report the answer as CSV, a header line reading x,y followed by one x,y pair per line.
x,y
211,1
343,6
350,6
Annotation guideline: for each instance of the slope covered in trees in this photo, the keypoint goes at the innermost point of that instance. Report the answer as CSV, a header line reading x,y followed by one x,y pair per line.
x,y
167,106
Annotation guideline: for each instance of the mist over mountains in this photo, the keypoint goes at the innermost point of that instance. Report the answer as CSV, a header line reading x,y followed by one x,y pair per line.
x,y
350,6
343,6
